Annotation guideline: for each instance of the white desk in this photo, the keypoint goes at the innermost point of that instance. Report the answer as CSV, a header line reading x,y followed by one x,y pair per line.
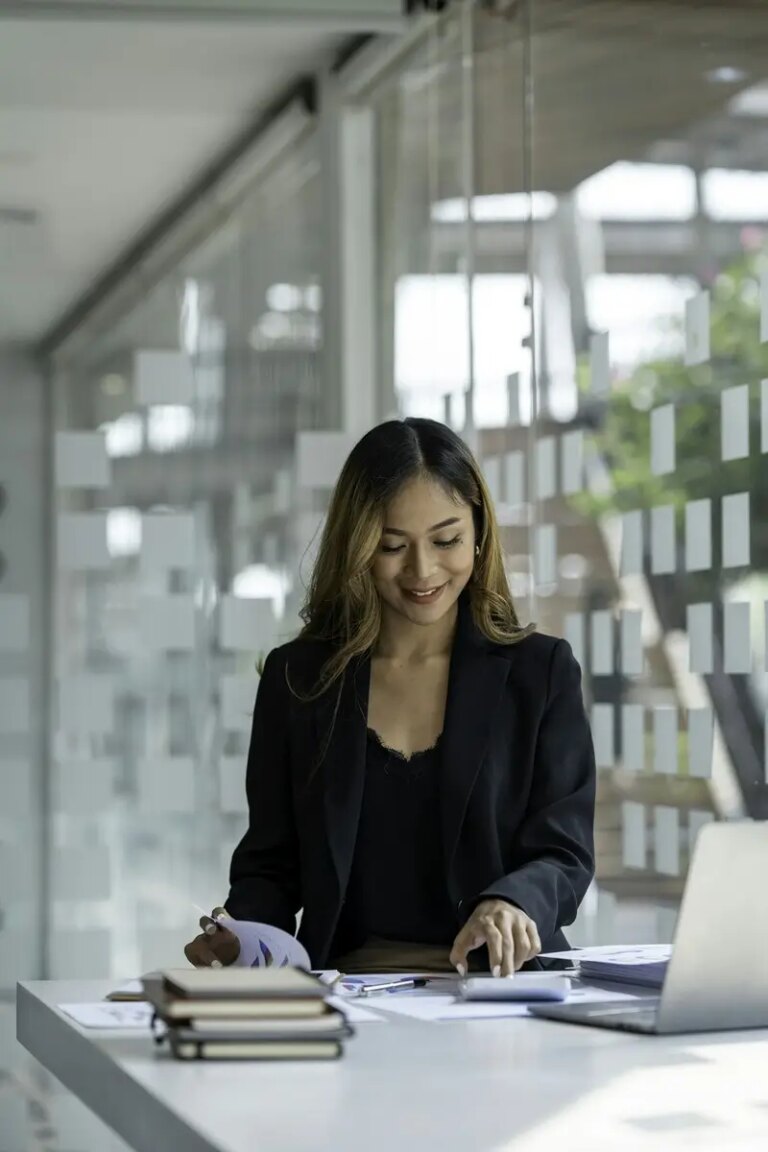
x,y
477,1086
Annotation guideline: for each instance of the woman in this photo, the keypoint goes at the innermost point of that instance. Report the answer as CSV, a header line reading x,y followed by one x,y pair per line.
x,y
421,778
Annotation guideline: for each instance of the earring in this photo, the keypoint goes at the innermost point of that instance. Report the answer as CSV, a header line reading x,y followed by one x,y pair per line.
x,y
477,549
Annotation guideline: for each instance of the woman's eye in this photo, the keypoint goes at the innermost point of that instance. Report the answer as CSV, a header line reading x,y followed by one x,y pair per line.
x,y
448,543
390,549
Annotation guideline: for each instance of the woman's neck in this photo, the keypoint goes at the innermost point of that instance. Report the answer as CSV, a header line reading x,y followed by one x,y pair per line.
x,y
405,643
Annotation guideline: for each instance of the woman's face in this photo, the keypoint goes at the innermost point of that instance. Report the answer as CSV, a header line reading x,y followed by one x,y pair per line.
x,y
427,552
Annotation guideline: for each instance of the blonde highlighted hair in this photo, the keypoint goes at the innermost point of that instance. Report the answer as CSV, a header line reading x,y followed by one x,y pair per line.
x,y
342,605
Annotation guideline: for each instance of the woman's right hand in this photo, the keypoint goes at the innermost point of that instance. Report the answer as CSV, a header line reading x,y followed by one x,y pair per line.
x,y
216,946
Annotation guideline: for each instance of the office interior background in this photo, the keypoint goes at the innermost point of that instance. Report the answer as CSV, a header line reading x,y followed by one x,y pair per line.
x,y
232,238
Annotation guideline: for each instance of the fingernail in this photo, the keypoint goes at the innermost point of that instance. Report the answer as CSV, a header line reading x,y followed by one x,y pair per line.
x,y
496,971
216,964
462,970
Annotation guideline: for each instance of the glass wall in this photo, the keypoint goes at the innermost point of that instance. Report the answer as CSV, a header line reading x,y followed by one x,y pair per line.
x,y
180,529
573,226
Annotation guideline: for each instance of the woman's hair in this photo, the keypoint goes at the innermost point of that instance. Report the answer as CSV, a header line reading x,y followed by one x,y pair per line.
x,y
342,605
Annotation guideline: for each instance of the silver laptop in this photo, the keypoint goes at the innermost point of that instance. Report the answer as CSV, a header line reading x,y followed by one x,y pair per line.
x,y
717,977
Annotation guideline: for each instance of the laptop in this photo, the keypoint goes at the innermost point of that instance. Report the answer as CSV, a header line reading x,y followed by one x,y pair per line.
x,y
717,976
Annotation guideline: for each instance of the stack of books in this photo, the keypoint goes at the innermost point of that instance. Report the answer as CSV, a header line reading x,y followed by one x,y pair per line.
x,y
245,1014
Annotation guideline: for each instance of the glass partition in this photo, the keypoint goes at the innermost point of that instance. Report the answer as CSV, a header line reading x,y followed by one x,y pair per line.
x,y
179,540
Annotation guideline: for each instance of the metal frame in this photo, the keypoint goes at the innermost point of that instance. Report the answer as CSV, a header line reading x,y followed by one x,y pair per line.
x,y
188,221
345,16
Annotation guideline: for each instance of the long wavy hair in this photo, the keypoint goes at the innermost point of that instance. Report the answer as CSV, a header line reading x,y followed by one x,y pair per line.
x,y
342,605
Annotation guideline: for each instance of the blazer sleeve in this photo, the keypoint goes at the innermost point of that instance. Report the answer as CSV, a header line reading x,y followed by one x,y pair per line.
x,y
556,838
264,874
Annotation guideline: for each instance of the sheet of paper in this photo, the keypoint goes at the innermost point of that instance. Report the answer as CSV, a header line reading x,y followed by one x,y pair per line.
x,y
617,953
353,1011
259,942
439,1008
106,1014
129,988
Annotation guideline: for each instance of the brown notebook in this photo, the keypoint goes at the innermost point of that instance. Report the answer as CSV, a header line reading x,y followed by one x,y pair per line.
x,y
213,994
243,983
256,1050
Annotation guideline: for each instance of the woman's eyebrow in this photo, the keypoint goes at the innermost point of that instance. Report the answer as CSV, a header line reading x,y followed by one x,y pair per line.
x,y
434,528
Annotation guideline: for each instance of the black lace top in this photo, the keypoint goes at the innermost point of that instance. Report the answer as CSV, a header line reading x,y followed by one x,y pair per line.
x,y
397,888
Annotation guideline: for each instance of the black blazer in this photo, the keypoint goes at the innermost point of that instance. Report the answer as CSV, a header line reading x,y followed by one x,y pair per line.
x,y
518,787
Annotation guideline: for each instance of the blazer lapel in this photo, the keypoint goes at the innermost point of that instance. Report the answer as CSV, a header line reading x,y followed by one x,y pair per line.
x,y
343,764
475,687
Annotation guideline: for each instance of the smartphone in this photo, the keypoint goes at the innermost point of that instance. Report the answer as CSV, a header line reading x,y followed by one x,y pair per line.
x,y
523,986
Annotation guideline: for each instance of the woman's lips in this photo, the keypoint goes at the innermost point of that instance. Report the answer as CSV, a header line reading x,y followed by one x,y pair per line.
x,y
424,597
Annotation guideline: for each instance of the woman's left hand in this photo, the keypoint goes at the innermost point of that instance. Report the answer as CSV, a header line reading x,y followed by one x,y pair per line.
x,y
511,936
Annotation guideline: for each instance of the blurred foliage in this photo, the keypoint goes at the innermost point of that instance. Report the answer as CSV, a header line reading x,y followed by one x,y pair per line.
x,y
623,437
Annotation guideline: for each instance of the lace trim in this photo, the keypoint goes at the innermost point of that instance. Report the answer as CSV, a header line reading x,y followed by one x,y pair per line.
x,y
401,755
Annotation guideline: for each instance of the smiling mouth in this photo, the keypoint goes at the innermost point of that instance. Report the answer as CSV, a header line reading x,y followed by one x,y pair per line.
x,y
428,596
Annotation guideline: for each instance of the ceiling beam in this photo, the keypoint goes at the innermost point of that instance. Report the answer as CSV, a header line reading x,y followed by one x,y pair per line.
x,y
344,16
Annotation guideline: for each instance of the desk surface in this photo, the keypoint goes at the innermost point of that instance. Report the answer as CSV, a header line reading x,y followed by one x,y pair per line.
x,y
475,1086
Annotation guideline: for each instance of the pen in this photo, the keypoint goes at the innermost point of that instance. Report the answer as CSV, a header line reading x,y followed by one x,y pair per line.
x,y
210,927
392,985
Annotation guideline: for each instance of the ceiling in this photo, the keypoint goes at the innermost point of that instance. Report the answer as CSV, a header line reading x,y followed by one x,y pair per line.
x,y
103,125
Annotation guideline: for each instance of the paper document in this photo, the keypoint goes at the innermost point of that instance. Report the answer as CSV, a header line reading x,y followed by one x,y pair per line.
x,y
437,1008
133,1017
353,1011
131,990
263,944
616,953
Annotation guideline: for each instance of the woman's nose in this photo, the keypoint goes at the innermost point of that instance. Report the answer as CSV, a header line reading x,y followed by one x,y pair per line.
x,y
420,562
